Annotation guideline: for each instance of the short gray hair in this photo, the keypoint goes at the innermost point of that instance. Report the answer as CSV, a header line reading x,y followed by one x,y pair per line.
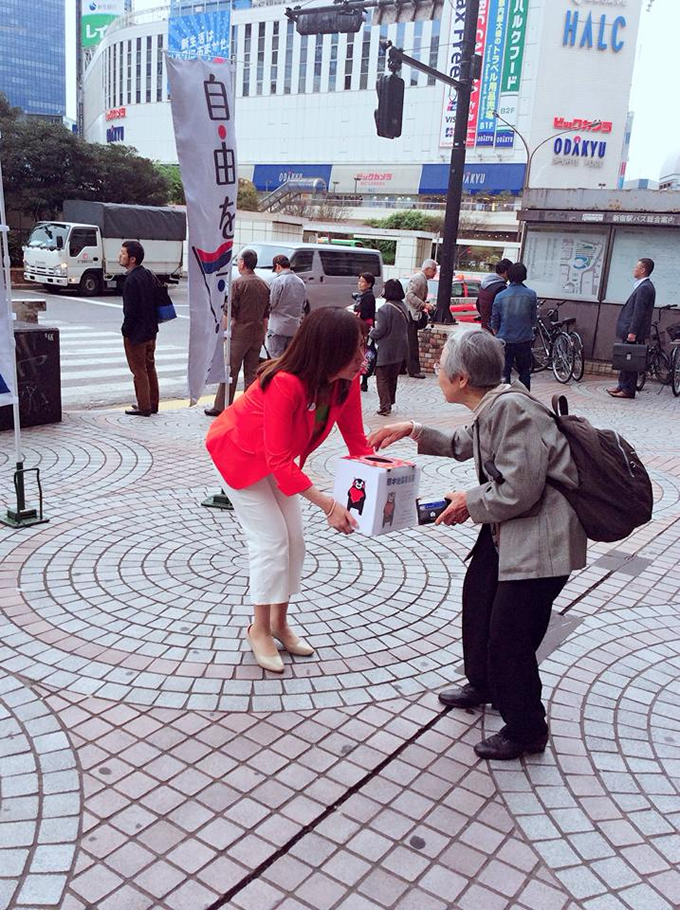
x,y
429,264
477,355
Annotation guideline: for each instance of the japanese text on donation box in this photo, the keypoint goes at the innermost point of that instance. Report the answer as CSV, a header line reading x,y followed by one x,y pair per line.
x,y
379,492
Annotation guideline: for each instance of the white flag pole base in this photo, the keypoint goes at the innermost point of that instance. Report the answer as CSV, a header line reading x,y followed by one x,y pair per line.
x,y
21,516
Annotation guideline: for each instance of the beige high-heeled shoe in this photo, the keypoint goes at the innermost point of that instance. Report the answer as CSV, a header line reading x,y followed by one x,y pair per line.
x,y
295,645
268,662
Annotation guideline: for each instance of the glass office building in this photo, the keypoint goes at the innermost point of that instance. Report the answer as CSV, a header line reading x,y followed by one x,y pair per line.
x,y
33,57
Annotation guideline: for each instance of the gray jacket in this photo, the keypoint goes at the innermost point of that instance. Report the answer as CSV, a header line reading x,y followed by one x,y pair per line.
x,y
537,531
416,295
286,301
390,332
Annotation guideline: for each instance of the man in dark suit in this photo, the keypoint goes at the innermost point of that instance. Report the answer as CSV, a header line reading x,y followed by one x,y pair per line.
x,y
140,327
634,322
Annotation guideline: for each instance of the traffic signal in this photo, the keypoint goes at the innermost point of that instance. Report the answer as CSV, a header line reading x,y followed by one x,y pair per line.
x,y
388,115
330,22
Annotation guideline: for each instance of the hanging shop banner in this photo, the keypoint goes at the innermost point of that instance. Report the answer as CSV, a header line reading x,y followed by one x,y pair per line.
x,y
96,17
512,70
482,24
202,101
204,35
6,345
455,48
491,72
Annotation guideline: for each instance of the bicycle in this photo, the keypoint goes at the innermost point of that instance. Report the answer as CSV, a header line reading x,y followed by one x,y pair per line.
x,y
658,363
673,332
558,346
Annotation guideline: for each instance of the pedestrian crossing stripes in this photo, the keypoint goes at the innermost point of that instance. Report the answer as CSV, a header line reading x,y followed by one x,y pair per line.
x,y
94,368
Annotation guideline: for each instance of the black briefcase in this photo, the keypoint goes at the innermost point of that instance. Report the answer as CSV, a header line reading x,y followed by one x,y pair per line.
x,y
631,358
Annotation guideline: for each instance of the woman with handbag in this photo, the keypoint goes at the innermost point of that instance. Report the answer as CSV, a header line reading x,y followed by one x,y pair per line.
x,y
391,335
256,445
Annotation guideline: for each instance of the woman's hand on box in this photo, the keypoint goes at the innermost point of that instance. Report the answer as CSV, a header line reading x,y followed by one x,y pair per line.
x,y
393,432
456,512
342,520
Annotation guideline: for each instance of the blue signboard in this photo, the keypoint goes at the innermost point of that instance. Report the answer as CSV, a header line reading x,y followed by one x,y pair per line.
x,y
200,35
477,178
268,177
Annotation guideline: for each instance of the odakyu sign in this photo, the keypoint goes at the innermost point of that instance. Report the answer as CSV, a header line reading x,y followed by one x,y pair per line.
x,y
593,32
577,147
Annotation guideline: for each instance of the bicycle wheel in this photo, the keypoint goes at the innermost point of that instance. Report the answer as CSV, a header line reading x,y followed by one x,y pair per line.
x,y
641,380
562,357
540,352
675,371
662,368
579,360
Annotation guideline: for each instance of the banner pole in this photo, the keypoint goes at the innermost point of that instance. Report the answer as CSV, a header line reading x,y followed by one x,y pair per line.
x,y
221,500
21,516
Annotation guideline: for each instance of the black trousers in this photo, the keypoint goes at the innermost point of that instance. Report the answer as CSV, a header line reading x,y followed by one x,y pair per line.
x,y
386,380
504,623
518,355
627,380
413,363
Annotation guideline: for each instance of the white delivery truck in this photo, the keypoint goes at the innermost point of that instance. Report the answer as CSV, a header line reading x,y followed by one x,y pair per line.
x,y
81,252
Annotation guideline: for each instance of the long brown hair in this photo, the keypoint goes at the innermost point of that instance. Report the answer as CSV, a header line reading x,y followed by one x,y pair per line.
x,y
324,344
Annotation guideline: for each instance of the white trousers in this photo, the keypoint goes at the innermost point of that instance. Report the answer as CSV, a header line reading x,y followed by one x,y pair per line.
x,y
272,526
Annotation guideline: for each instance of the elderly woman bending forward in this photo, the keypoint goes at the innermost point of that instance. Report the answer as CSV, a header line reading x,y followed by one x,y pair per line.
x,y
530,538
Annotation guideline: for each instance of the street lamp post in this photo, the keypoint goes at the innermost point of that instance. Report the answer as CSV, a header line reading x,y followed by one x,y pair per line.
x,y
531,154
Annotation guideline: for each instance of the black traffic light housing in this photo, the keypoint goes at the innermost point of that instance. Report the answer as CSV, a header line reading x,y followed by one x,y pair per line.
x,y
389,113
329,22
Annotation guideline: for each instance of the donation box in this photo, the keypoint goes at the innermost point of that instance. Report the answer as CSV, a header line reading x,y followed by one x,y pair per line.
x,y
379,492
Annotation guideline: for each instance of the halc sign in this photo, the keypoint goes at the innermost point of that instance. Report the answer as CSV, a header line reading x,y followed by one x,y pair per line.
x,y
585,31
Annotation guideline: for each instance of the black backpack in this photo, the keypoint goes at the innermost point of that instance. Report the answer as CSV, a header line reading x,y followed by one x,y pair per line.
x,y
614,495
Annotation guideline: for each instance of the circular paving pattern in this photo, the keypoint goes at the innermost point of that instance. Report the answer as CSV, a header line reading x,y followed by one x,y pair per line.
x,y
613,761
148,601
39,800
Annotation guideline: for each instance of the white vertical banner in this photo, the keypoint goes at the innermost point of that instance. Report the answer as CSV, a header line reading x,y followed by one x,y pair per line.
x,y
202,100
7,353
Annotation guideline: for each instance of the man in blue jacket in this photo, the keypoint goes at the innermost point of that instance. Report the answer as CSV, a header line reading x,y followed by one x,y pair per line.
x,y
635,321
513,320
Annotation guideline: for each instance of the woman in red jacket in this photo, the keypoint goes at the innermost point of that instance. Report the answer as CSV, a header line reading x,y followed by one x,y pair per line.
x,y
283,416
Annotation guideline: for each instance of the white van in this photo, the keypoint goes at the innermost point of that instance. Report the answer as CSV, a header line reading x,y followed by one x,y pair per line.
x,y
330,272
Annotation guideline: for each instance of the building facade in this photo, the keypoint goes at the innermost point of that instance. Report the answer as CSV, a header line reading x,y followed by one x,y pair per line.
x,y
559,71
33,56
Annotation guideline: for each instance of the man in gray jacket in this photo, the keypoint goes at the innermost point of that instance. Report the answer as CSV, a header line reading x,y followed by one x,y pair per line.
x,y
416,301
287,295
530,538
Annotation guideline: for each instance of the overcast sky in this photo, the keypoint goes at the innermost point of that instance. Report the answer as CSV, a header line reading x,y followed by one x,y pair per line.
x,y
656,129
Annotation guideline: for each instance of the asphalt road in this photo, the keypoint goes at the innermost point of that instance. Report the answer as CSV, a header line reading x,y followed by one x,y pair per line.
x,y
94,372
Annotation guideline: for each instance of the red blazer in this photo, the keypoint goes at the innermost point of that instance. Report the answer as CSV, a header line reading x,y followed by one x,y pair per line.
x,y
263,433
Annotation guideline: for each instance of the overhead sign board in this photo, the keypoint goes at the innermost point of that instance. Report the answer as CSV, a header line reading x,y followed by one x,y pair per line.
x,y
95,18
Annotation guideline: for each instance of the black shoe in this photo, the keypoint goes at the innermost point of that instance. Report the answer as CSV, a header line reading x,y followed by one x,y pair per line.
x,y
417,375
135,412
212,412
384,412
464,697
364,387
135,408
500,748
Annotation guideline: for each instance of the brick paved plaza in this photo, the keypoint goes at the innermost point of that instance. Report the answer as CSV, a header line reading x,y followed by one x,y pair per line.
x,y
146,761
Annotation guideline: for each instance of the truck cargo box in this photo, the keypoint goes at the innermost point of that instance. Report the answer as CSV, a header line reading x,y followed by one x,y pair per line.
x,y
128,222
